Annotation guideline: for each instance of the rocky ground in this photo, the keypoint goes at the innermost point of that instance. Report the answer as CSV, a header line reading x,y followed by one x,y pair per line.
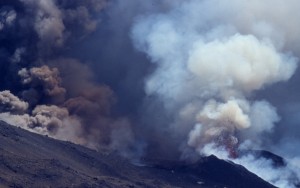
x,y
31,160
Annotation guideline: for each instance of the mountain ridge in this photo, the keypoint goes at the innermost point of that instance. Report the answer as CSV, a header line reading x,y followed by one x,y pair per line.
x,y
31,160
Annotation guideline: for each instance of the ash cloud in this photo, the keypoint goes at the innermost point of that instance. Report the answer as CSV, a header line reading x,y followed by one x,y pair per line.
x,y
45,78
121,75
215,58
44,89
10,102
211,59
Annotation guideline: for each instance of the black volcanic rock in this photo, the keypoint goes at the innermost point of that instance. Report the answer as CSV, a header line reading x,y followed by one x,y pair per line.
x,y
31,160
215,172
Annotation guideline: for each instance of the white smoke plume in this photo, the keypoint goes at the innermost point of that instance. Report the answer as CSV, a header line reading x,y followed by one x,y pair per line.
x,y
280,176
217,62
211,58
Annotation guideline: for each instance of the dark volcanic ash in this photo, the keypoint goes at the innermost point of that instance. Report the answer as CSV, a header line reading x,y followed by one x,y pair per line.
x,y
44,90
175,78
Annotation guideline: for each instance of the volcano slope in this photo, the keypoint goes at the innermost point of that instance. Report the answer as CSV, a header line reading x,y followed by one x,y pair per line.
x,y
31,160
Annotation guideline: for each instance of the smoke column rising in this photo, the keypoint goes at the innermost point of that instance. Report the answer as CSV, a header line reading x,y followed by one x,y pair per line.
x,y
212,57
121,75
47,91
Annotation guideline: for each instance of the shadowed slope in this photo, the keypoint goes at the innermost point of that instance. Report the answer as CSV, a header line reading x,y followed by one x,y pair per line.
x,y
31,160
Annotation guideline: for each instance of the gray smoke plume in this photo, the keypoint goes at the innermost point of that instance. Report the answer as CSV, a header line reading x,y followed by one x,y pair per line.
x,y
121,75
7,18
212,57
10,102
48,22
46,91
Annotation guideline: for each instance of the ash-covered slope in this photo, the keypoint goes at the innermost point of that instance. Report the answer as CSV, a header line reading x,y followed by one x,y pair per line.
x,y
31,160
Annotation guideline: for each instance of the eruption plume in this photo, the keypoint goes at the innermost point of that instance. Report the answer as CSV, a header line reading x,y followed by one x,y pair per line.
x,y
216,77
211,63
50,93
219,66
10,102
43,77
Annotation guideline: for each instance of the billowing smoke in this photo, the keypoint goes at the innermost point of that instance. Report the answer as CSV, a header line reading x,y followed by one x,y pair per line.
x,y
11,103
212,57
45,78
213,76
216,62
46,91
281,175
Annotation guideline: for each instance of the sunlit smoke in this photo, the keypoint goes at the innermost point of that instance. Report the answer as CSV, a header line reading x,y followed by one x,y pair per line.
x,y
73,70
210,62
